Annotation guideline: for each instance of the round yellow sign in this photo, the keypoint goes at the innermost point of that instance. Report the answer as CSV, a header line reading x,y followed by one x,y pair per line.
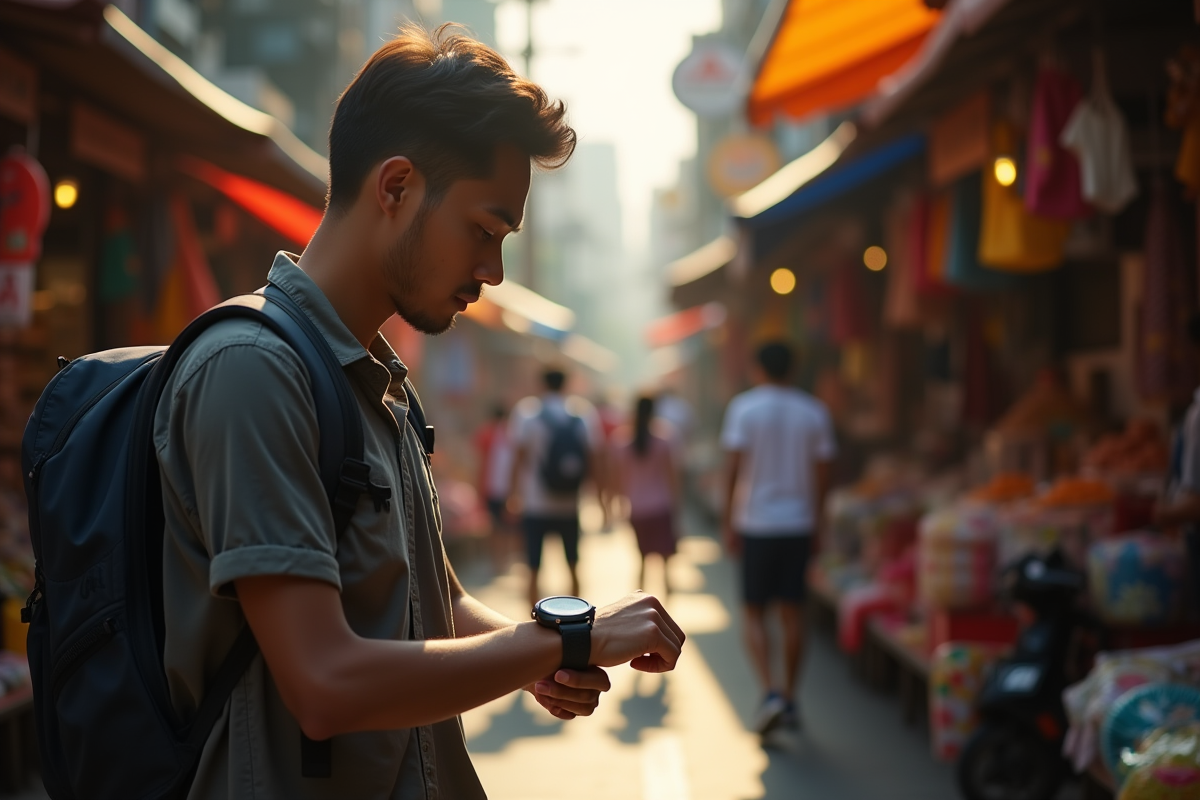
x,y
740,162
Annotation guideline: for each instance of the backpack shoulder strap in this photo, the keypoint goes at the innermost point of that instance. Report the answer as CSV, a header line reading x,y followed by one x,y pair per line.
x,y
343,471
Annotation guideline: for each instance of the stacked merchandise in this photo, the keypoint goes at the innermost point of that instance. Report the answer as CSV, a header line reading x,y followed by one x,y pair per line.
x,y
1135,722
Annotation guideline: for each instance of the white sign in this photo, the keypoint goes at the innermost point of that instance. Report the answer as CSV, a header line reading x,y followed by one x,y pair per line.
x,y
712,81
16,295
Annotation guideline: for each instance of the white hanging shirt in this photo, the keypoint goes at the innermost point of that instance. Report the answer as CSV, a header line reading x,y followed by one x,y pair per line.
x,y
1097,135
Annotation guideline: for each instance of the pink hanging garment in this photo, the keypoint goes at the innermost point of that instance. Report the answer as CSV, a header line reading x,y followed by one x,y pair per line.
x,y
1052,181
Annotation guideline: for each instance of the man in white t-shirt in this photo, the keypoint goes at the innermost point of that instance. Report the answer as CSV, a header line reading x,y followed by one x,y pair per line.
x,y
780,445
552,437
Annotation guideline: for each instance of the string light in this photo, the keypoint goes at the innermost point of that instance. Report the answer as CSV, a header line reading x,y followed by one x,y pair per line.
x,y
66,192
783,281
1005,170
875,257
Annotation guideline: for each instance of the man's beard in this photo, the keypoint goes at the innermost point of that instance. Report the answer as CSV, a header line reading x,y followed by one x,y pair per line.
x,y
403,267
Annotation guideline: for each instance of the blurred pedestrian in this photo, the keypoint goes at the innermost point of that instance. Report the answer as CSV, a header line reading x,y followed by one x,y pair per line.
x,y
495,477
646,476
611,421
559,448
780,443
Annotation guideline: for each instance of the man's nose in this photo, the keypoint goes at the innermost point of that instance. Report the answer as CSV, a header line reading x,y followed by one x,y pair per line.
x,y
491,271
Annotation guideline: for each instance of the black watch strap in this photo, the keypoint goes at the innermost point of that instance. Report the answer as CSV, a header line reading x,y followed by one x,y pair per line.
x,y
577,644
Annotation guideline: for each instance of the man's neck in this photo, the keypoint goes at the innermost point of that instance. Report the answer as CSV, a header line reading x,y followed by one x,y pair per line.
x,y
344,269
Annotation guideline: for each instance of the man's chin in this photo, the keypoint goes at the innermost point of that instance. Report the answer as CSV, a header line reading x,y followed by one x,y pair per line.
x,y
430,325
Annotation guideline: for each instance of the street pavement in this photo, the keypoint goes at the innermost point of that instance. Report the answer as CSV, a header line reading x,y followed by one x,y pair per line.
x,y
685,735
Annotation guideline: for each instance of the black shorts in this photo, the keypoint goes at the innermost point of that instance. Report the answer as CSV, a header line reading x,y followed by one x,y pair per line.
x,y
536,528
495,507
775,568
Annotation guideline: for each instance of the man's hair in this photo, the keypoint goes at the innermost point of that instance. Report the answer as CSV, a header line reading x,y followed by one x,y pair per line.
x,y
445,101
554,379
776,360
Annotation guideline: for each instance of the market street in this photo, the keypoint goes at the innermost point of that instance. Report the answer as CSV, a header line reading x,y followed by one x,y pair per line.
x,y
684,736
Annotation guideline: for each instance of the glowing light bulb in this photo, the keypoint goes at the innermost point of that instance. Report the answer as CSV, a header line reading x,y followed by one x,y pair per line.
x,y
875,257
783,281
1005,170
66,192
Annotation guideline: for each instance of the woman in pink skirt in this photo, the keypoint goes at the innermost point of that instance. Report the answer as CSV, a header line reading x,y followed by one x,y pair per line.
x,y
646,475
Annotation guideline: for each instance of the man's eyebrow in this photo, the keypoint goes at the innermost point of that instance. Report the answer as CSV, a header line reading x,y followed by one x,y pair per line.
x,y
504,216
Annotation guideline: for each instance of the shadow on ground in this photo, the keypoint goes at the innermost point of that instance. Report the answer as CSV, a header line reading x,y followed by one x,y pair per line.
x,y
518,722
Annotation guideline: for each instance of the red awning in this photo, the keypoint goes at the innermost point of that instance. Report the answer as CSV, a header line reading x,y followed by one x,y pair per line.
x,y
284,213
682,324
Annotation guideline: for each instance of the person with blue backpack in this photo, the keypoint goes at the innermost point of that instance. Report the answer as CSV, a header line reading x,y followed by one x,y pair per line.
x,y
241,588
558,446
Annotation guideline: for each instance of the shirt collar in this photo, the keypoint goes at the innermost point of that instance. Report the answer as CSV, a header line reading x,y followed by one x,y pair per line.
x,y
297,285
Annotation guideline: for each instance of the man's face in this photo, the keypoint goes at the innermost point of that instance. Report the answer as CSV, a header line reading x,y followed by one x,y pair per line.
x,y
441,261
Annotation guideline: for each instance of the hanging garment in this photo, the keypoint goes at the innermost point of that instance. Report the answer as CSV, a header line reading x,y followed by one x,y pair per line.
x,y
900,308
933,222
963,269
1052,184
1011,238
849,319
1097,135
1183,112
1166,363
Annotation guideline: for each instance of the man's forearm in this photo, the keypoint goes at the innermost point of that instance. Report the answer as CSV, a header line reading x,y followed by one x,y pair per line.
x,y
374,684
1183,511
471,617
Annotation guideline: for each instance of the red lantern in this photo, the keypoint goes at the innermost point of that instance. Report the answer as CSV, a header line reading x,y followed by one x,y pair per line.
x,y
24,208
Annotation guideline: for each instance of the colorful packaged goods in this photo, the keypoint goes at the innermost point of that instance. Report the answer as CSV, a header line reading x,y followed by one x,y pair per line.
x,y
1004,488
1139,713
956,556
1138,579
1073,492
1140,450
956,676
1166,766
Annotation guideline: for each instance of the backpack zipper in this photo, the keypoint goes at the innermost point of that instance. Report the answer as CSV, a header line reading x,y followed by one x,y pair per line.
x,y
83,648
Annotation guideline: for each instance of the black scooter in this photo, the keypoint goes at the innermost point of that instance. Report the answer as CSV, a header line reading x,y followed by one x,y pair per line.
x,y
1015,754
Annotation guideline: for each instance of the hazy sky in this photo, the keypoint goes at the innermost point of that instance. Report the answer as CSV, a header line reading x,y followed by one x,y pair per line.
x,y
611,61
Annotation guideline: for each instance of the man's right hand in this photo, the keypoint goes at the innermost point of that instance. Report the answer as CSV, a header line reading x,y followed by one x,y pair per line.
x,y
638,630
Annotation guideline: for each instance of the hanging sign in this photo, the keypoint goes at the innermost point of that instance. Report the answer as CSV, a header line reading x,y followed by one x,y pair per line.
x,y
712,81
960,140
18,88
740,162
24,214
103,142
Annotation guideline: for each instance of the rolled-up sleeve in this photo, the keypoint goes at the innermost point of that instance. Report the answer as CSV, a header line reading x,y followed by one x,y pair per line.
x,y
259,504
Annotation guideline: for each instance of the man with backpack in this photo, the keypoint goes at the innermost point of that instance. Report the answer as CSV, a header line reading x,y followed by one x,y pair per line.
x,y
312,639
559,444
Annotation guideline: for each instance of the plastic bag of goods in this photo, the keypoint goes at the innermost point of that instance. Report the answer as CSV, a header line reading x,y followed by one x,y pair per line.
x,y
1166,766
1087,703
1137,579
956,556
956,675
1137,714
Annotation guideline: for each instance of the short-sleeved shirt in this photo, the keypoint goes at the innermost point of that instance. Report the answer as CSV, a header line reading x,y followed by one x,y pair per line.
x,y
237,441
529,432
781,433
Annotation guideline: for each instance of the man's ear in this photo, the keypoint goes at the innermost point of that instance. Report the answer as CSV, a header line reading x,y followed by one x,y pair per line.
x,y
398,185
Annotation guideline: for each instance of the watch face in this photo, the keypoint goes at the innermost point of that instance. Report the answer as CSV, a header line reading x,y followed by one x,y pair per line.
x,y
564,606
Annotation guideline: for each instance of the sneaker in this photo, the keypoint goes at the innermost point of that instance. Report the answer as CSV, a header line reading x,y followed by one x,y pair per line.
x,y
790,718
770,713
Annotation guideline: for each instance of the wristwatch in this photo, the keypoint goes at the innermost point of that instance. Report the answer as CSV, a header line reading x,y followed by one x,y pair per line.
x,y
572,617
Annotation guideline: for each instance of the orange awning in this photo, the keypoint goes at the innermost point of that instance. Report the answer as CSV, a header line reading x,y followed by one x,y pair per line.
x,y
828,54
286,214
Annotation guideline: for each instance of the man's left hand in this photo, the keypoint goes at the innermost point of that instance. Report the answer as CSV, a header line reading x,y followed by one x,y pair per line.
x,y
571,693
